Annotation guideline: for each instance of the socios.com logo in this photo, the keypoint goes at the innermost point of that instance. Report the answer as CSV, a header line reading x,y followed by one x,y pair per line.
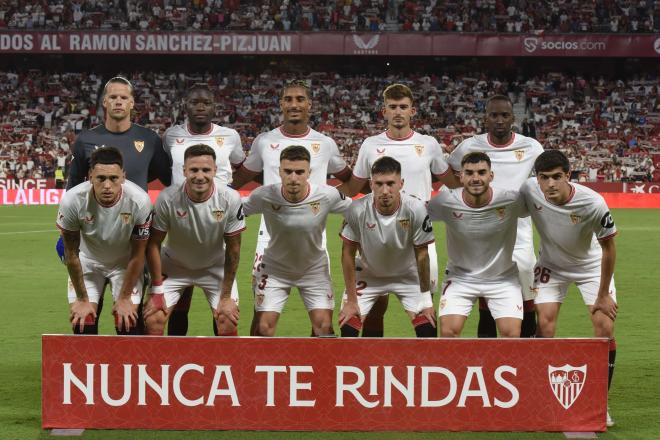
x,y
530,44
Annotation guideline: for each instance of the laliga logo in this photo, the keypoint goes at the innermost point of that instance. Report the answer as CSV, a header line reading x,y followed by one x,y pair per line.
x,y
656,46
530,44
567,382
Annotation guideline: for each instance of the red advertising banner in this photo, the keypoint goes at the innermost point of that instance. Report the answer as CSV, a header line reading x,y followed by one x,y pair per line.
x,y
317,384
332,43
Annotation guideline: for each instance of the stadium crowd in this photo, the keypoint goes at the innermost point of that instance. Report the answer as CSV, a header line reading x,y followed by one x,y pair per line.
x,y
608,128
513,16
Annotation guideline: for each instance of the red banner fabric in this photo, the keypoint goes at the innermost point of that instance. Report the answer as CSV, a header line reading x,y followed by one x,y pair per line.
x,y
332,43
324,384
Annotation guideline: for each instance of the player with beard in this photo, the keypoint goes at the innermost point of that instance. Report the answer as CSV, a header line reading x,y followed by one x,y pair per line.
x,y
226,144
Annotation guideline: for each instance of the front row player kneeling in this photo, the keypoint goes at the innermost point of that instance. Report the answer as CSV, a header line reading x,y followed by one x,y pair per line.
x,y
577,246
481,224
203,220
104,224
392,231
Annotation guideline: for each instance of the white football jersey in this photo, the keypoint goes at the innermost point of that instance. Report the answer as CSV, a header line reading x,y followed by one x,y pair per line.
x,y
419,155
106,232
570,232
267,147
296,229
512,165
196,231
387,242
225,142
480,241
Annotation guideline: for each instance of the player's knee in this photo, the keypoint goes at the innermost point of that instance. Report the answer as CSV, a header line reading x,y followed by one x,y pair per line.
x,y
323,329
449,331
155,324
546,326
510,332
603,327
226,327
265,328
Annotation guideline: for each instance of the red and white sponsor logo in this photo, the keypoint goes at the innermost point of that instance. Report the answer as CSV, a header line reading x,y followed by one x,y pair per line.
x,y
644,188
533,44
567,383
366,45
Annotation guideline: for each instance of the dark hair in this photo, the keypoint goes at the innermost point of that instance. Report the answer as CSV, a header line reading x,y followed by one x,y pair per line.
x,y
475,157
551,159
295,84
499,98
397,92
106,156
118,80
386,165
199,87
295,152
198,150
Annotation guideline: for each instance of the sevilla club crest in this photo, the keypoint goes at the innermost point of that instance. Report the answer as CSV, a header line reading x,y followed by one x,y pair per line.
x,y
220,140
316,207
501,212
567,382
316,147
139,146
218,215
519,154
126,217
405,223
575,219
419,149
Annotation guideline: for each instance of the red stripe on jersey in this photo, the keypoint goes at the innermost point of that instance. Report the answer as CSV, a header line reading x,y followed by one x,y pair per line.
x,y
608,237
443,174
306,194
424,244
289,135
65,230
344,174
404,138
490,199
192,133
236,232
185,189
121,193
348,240
493,144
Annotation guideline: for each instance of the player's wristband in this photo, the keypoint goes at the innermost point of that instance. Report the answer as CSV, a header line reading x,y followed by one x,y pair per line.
x,y
157,288
425,301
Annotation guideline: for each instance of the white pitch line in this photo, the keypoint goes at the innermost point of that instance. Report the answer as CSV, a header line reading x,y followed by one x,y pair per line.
x,y
28,232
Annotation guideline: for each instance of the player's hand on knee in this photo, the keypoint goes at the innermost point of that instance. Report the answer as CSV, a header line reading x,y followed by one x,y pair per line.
x,y
348,311
80,311
429,314
606,305
156,301
125,314
228,309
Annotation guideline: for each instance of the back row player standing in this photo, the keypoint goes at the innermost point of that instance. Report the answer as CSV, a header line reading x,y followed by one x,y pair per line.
x,y
144,159
512,156
226,143
421,159
296,104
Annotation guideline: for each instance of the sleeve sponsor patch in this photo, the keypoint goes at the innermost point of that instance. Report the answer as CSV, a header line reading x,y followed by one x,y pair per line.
x,y
607,221
427,225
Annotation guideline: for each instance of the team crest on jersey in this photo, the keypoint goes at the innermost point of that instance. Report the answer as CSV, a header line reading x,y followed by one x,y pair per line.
x,y
126,217
259,298
575,219
220,140
218,214
419,149
275,207
380,151
567,382
501,212
457,215
181,214
89,219
316,147
139,146
519,154
443,303
405,223
316,207
179,140
274,146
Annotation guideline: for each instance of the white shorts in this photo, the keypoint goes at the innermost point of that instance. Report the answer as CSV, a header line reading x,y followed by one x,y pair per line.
x,y
96,274
525,260
369,289
503,297
433,260
553,286
177,278
272,291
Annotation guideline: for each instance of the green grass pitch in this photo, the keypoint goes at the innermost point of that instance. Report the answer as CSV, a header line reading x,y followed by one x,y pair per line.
x,y
33,282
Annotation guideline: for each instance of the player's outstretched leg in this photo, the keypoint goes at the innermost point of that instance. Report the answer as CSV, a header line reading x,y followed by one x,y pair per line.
x,y
178,322
486,327
373,325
